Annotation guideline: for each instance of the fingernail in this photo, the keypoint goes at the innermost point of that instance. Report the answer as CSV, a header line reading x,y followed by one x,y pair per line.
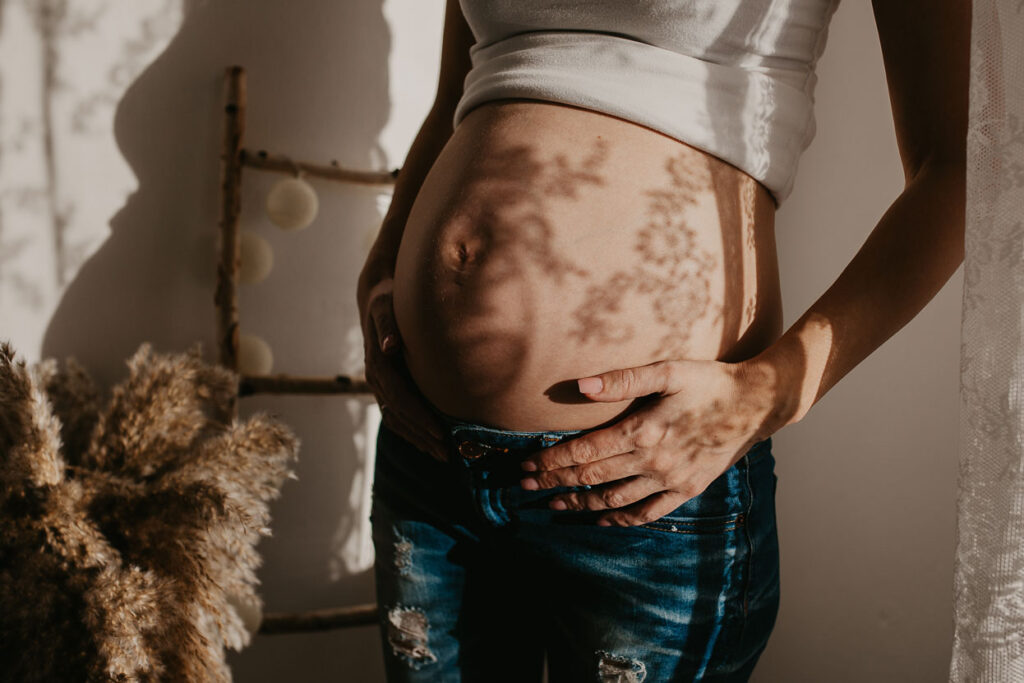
x,y
530,484
559,504
388,342
528,465
603,522
590,385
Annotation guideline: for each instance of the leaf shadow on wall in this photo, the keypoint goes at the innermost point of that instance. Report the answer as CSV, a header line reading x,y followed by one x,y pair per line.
x,y
318,90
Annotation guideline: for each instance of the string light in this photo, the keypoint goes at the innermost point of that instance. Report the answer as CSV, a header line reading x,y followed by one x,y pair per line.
x,y
292,203
254,355
257,258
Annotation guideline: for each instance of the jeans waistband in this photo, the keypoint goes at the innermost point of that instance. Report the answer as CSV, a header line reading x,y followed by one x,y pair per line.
x,y
475,441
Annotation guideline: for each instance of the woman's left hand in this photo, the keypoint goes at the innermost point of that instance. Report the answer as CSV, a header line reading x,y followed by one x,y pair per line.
x,y
705,417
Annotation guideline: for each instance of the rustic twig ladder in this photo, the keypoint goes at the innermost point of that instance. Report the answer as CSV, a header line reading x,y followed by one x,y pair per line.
x,y
233,158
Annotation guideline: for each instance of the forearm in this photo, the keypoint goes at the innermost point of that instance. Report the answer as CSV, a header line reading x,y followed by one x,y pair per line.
x,y
427,145
912,252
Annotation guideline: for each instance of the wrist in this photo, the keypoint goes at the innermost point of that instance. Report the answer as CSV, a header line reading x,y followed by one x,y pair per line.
x,y
777,373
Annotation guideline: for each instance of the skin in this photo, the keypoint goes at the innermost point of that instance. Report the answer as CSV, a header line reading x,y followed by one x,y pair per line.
x,y
551,242
677,442
403,408
548,242
912,252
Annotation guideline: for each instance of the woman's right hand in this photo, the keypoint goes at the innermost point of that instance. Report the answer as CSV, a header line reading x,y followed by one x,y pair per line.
x,y
404,410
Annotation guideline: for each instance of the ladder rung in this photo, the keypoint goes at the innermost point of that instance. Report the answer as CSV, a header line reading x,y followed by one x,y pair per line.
x,y
290,384
318,620
278,162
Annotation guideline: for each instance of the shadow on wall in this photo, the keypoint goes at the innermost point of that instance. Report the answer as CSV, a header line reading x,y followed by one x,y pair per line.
x,y
318,81
318,90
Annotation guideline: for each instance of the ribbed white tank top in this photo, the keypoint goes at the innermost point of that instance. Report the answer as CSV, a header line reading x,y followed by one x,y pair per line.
x,y
734,78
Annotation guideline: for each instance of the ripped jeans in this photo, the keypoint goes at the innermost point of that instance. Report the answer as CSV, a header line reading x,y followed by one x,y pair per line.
x,y
478,579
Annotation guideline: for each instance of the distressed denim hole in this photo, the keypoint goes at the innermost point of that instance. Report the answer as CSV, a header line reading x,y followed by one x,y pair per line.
x,y
403,554
613,668
407,635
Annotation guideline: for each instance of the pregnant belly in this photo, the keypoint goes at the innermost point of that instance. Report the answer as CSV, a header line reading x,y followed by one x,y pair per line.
x,y
550,243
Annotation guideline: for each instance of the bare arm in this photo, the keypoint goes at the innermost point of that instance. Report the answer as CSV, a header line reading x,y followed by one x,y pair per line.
x,y
431,139
919,242
403,408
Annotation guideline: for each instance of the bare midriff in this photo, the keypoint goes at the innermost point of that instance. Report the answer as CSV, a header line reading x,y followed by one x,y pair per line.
x,y
549,243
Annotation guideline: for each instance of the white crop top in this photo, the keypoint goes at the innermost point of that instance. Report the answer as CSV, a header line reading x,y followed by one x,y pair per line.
x,y
734,78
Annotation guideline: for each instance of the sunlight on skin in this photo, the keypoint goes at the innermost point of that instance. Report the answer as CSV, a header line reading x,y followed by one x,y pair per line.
x,y
669,272
548,243
748,226
669,451
538,252
817,343
708,415
674,276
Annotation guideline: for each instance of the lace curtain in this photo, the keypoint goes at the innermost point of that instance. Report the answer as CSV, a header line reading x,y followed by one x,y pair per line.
x,y
988,643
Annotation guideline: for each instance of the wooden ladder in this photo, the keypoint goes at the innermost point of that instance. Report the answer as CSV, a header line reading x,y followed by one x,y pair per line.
x,y
233,158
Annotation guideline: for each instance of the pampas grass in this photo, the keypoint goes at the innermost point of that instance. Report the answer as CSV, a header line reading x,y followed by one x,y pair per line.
x,y
124,526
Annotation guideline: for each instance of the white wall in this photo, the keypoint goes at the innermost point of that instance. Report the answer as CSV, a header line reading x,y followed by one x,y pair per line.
x,y
866,481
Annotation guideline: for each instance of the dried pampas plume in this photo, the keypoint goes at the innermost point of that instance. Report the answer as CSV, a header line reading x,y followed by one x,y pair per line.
x,y
124,527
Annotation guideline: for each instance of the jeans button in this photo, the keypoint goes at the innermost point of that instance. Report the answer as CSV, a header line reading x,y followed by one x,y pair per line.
x,y
470,450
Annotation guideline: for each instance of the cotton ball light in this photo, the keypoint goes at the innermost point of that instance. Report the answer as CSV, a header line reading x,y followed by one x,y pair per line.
x,y
249,610
254,356
257,258
292,203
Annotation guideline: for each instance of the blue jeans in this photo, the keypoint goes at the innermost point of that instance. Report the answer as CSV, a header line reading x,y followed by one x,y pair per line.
x,y
478,578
